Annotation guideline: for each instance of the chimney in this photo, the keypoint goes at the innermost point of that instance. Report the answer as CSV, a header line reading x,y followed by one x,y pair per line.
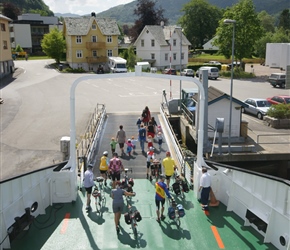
x,y
162,24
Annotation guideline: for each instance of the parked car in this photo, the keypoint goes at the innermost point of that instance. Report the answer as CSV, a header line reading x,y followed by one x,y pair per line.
x,y
277,80
277,99
257,107
214,63
213,72
187,72
169,71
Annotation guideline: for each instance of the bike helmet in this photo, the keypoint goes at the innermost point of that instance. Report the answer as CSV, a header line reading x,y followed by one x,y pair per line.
x,y
168,154
105,153
151,149
90,166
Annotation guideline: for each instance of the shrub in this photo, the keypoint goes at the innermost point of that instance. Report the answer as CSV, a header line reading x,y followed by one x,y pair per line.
x,y
238,73
279,111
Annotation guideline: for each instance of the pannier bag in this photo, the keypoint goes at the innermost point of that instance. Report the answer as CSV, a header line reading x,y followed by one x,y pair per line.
x,y
137,216
171,213
176,188
129,188
96,193
185,187
127,218
131,182
180,209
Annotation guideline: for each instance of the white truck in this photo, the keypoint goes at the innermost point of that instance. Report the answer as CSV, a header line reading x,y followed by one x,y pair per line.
x,y
117,64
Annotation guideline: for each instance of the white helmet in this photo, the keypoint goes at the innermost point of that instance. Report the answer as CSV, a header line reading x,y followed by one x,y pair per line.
x,y
105,153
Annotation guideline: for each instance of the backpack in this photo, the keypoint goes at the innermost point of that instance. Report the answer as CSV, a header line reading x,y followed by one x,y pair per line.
x,y
137,216
127,218
181,211
171,213
176,188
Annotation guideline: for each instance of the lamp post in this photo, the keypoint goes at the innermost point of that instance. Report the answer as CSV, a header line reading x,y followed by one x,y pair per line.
x,y
230,21
180,82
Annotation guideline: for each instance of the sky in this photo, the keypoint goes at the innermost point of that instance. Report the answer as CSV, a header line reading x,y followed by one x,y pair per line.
x,y
82,7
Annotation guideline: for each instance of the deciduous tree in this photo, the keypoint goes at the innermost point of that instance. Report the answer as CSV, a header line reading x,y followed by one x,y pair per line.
x,y
147,14
53,44
248,30
199,21
10,10
284,20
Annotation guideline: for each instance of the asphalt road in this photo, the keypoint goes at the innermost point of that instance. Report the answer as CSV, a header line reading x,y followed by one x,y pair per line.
x,y
35,114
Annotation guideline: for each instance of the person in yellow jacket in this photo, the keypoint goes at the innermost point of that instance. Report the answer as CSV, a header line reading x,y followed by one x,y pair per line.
x,y
169,167
104,166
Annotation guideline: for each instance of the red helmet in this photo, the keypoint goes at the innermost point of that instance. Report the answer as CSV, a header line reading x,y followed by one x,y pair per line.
x,y
168,153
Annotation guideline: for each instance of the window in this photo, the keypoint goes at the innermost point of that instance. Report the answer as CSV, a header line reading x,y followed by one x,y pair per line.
x,y
152,56
152,43
94,39
3,28
182,56
166,57
94,26
79,53
78,39
174,42
174,56
11,29
94,53
5,45
109,39
142,43
110,52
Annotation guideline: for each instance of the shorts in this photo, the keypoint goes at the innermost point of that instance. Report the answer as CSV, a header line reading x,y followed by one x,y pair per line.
x,y
103,171
121,145
168,177
116,176
148,164
89,190
158,202
118,207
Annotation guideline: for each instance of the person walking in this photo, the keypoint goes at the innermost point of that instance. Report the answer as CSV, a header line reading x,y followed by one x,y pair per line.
x,y
121,138
205,183
113,144
104,166
151,130
138,123
169,167
149,160
118,203
146,116
88,183
161,189
142,137
115,168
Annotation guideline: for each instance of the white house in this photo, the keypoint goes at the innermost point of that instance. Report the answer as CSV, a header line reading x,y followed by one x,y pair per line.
x,y
277,55
163,46
209,44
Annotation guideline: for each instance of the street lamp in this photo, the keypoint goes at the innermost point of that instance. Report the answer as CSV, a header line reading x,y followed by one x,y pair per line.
x,y
230,21
180,82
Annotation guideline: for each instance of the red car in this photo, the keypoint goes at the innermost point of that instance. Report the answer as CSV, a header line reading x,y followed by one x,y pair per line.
x,y
277,99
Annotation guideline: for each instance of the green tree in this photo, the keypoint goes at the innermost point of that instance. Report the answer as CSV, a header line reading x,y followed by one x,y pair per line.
x,y
130,56
284,20
267,21
10,10
199,21
147,14
53,44
248,30
18,48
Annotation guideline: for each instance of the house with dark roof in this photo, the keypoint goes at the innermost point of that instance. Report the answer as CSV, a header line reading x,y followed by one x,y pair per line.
x,y
219,107
90,41
163,46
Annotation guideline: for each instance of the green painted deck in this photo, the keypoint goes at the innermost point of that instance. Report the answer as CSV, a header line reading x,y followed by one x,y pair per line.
x,y
69,226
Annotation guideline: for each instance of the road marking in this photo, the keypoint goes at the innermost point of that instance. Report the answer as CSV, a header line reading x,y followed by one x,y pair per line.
x,y
217,237
65,223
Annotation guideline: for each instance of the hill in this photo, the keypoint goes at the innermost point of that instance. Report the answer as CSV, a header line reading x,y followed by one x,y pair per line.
x,y
172,9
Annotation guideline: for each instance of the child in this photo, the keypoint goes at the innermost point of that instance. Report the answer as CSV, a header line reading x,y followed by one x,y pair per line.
x,y
113,144
150,141
129,147
150,158
159,129
159,139
133,141
138,123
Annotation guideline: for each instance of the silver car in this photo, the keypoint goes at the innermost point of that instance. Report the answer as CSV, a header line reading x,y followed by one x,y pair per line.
x,y
257,107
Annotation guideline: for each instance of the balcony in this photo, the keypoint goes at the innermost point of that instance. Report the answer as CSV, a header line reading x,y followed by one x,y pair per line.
x,y
95,45
97,59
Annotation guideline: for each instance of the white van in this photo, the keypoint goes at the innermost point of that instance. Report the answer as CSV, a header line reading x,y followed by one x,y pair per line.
x,y
213,72
117,64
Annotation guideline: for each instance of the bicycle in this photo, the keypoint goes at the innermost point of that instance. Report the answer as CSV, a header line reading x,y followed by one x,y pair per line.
x,y
180,186
132,217
175,212
99,194
155,169
127,183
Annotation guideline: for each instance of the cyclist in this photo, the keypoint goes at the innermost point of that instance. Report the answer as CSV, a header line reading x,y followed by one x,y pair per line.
x,y
104,166
150,158
169,167
161,190
115,167
118,203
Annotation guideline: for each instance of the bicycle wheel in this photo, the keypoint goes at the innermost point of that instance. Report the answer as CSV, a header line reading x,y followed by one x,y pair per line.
x,y
135,232
177,220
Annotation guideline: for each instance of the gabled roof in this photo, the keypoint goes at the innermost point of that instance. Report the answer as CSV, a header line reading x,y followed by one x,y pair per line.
x,y
80,26
162,34
5,18
215,95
